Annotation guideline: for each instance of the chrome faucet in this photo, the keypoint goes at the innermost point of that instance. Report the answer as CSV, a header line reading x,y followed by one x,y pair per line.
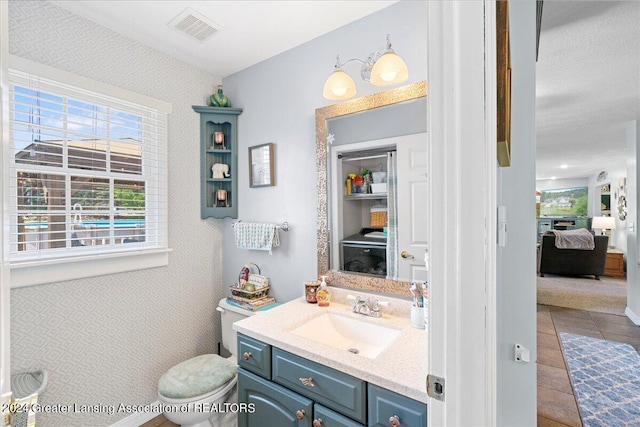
x,y
368,307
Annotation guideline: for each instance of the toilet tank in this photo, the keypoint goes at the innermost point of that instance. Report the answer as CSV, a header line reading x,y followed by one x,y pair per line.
x,y
230,314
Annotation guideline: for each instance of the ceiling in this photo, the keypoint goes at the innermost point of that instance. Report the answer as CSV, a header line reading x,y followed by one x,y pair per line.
x,y
248,31
587,86
588,69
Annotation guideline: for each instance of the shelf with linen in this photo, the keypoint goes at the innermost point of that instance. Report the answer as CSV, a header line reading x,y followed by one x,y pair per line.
x,y
365,196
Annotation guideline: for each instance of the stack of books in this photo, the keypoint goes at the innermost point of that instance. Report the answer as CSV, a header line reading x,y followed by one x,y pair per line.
x,y
251,304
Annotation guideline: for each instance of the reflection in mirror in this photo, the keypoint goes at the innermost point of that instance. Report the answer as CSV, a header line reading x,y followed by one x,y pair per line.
x,y
364,148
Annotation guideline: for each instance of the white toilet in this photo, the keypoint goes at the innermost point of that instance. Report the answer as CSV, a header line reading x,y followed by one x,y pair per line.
x,y
189,390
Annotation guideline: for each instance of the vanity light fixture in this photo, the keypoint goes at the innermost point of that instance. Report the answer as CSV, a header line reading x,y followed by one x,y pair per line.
x,y
382,68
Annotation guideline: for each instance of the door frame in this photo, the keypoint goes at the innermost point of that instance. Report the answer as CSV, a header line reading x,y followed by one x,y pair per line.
x,y
5,294
462,215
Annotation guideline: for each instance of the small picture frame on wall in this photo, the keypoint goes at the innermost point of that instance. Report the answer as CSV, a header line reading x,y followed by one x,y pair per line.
x,y
261,165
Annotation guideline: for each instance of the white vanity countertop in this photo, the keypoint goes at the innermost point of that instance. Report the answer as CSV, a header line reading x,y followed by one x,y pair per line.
x,y
401,367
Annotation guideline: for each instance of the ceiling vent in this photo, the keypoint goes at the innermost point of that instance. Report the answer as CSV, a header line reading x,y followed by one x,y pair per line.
x,y
194,25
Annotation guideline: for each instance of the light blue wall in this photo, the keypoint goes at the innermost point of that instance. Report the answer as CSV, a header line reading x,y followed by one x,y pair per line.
x,y
395,120
279,97
516,262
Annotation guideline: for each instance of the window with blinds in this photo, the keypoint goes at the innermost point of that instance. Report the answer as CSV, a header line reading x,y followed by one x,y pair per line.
x,y
87,171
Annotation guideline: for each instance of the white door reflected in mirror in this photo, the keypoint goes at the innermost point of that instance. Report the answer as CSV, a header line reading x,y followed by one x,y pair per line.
x,y
377,233
412,205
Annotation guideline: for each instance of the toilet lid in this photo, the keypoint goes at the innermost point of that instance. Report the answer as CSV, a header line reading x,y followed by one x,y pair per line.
x,y
197,376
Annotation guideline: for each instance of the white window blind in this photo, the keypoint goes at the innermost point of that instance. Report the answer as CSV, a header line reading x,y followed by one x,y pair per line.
x,y
87,172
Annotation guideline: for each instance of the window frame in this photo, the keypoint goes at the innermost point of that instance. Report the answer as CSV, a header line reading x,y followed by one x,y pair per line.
x,y
77,265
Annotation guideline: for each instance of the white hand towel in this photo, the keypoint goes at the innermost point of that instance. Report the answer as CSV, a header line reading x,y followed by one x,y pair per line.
x,y
256,235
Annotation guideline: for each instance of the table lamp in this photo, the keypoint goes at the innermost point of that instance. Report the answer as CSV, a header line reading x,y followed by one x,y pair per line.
x,y
603,223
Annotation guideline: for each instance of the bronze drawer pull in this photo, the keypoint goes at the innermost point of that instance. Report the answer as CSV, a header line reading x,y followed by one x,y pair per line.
x,y
300,414
394,421
247,355
307,381
317,422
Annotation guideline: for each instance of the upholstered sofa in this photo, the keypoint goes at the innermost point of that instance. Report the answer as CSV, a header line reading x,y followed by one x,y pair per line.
x,y
575,262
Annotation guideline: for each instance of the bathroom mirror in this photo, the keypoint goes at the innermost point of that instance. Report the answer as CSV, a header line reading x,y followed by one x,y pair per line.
x,y
357,116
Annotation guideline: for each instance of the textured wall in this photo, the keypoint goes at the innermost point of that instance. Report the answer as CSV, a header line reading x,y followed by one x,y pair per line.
x,y
107,339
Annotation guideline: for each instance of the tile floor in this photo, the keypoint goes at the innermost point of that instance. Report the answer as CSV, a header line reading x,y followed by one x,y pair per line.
x,y
557,405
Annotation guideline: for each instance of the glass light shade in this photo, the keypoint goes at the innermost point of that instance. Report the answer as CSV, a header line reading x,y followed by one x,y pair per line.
x,y
388,70
603,222
339,85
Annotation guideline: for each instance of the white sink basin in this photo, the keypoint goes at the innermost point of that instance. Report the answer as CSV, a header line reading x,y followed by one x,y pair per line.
x,y
345,333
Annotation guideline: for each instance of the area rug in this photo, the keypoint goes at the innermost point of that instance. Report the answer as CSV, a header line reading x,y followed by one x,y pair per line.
x,y
606,380
607,295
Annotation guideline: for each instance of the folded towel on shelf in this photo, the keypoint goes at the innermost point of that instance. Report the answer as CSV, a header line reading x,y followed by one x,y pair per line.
x,y
256,235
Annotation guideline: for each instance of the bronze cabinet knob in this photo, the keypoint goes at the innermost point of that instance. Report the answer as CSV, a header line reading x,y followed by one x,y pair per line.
x,y
247,355
300,414
394,421
317,422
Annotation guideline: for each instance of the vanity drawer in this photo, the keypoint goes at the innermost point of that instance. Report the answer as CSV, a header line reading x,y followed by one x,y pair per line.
x,y
336,390
325,417
384,404
271,404
254,356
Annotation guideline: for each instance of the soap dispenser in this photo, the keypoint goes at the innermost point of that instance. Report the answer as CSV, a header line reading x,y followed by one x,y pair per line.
x,y
323,296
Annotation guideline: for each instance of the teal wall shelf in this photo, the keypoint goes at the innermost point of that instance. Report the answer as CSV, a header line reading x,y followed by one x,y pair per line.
x,y
212,120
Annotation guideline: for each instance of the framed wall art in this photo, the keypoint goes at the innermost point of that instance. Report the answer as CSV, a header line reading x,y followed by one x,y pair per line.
x,y
261,165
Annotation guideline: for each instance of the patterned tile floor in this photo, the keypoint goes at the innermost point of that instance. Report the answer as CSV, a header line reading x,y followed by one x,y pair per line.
x,y
557,405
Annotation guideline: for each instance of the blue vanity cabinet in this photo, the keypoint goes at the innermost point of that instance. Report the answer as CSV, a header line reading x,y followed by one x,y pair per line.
x,y
273,405
385,405
325,417
219,194
341,392
254,356
300,392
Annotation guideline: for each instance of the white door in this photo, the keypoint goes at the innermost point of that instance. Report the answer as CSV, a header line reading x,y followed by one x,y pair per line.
x,y
412,194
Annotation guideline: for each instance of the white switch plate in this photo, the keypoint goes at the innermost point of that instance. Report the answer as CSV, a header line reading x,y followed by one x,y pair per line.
x,y
502,226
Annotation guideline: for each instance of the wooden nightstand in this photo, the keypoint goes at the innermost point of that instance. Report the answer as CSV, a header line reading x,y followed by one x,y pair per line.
x,y
614,265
